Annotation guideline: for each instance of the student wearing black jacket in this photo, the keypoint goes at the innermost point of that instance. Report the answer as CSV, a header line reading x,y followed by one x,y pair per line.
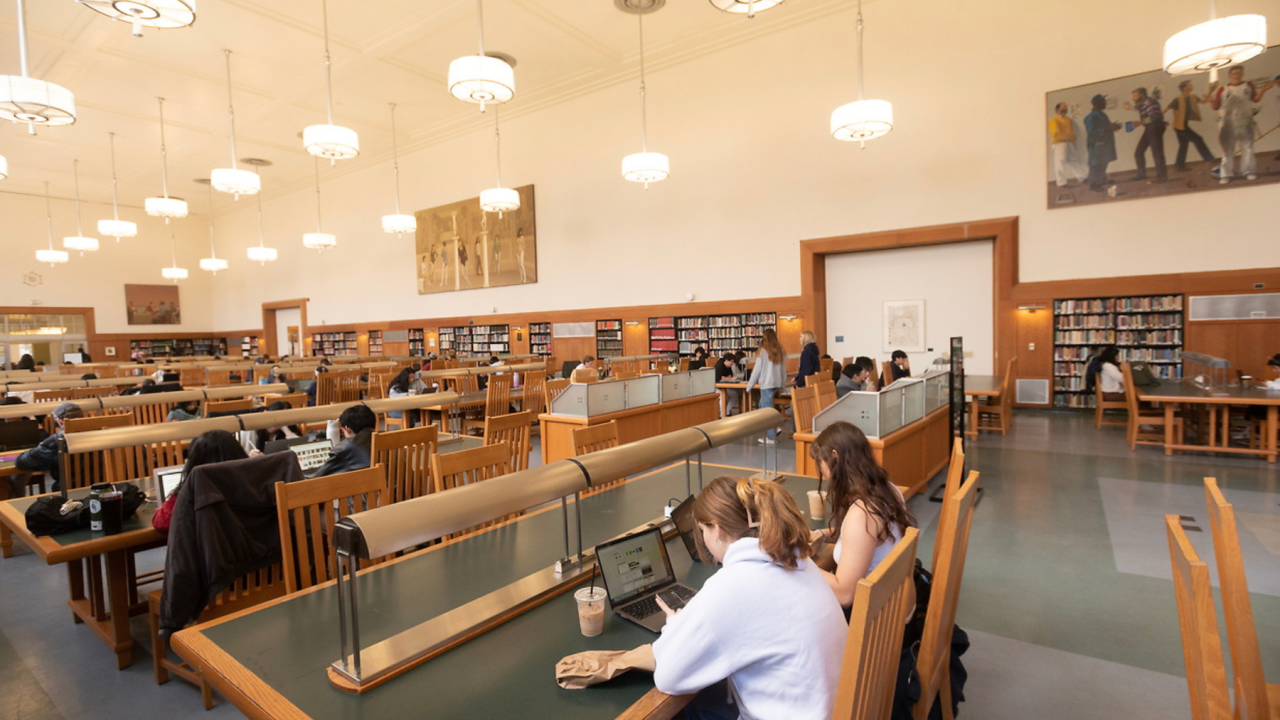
x,y
357,424
45,456
810,362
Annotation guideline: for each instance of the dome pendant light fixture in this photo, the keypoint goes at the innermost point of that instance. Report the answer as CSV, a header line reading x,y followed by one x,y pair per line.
x,y
644,166
173,272
79,241
480,78
260,253
330,141
1215,44
499,199
862,120
116,227
234,180
51,256
213,263
398,223
165,206
28,100
744,7
157,14
318,240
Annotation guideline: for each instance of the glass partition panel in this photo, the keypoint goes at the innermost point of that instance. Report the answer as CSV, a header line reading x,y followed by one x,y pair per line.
x,y
644,390
912,402
891,410
675,386
861,409
936,388
702,382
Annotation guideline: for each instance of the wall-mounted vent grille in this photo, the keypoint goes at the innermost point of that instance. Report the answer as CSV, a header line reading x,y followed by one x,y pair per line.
x,y
1234,307
1033,392
395,336
568,330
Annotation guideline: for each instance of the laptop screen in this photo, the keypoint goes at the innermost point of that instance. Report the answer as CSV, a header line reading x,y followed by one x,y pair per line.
x,y
167,480
634,564
312,455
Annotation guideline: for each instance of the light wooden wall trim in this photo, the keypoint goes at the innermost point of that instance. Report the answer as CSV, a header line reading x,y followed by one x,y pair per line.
x,y
267,342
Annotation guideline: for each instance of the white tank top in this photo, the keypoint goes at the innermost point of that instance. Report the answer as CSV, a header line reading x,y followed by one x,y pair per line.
x,y
882,550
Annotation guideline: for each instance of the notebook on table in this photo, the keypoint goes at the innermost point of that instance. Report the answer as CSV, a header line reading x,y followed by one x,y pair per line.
x,y
637,570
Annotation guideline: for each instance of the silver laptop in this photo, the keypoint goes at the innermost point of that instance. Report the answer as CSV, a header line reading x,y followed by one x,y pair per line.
x,y
313,455
166,480
636,571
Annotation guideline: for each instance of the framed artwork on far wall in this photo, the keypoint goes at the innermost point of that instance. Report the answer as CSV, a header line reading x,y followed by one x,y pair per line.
x,y
152,304
461,247
904,326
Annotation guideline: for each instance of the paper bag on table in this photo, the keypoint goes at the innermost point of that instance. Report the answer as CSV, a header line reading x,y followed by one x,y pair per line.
x,y
592,667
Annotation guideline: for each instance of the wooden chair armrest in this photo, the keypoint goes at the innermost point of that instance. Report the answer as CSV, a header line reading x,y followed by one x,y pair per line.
x,y
656,705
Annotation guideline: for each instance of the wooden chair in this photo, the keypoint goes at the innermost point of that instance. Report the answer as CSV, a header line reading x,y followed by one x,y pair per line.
x,y
406,455
246,591
1101,405
348,389
804,402
597,437
552,390
497,401
1198,623
102,422
464,467
1138,418
309,509
152,414
683,365
886,372
1254,696
824,366
191,377
260,373
995,413
826,393
584,375
933,659
513,429
217,377
89,468
295,400
881,604
534,399
224,406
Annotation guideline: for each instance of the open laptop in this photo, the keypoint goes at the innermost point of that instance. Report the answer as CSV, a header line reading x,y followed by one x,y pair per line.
x,y
20,434
167,480
636,570
275,446
313,455
682,517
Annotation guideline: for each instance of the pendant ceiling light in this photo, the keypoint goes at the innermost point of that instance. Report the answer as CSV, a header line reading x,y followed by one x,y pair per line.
x,y
116,227
1215,44
499,199
644,166
173,272
165,206
745,7
79,241
318,240
51,256
213,263
330,141
398,223
234,180
158,14
864,119
31,101
260,253
480,78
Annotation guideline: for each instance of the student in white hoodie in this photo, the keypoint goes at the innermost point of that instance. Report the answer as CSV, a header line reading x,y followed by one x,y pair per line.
x,y
767,621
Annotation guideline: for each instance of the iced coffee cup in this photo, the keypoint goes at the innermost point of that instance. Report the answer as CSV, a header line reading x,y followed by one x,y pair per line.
x,y
818,504
591,603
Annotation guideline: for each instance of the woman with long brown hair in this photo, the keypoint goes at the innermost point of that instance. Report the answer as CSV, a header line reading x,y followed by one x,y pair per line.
x,y
766,621
868,513
770,373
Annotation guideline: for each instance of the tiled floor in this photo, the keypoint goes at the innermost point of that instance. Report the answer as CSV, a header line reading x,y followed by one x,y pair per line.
x,y
1066,592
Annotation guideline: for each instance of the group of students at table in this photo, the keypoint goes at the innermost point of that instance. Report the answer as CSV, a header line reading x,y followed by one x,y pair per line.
x,y
1103,370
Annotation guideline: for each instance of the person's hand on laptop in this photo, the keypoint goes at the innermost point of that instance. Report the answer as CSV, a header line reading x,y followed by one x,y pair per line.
x,y
665,607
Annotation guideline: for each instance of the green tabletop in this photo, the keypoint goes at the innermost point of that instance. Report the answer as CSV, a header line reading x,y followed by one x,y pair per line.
x,y
1186,391
982,384
140,520
507,672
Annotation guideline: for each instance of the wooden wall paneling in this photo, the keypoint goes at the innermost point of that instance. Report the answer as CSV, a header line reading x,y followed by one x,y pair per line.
x,y
571,349
635,338
1246,343
520,338
268,338
1034,329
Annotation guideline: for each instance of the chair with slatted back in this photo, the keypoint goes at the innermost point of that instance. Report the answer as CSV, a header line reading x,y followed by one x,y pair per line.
x,y
348,386
951,545
1140,417
308,510
683,365
89,468
261,373
552,390
881,604
1198,624
534,398
1101,405
406,455
497,401
153,413
804,403
513,429
190,377
217,377
1254,697
824,366
378,383
101,422
592,438
466,467
826,393
226,406
995,413
295,400
326,388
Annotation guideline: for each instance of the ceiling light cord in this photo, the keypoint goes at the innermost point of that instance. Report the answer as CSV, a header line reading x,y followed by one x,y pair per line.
x,y
395,155
48,213
328,71
317,166
497,145
644,114
75,171
213,252
22,37
173,246
480,30
164,154
231,119
115,194
260,238
860,60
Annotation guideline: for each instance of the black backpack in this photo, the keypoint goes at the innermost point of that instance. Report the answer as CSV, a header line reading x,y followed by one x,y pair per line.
x,y
45,517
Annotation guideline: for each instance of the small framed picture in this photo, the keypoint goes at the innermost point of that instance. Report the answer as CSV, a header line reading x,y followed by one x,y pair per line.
x,y
111,351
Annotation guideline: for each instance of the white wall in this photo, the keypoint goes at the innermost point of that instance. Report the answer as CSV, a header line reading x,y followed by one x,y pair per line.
x,y
286,318
954,281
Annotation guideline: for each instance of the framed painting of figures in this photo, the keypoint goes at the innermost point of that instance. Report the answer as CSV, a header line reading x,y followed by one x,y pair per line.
x,y
152,304
461,247
1155,134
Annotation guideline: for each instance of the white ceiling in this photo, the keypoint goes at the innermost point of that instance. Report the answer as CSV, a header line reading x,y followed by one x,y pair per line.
x,y
383,51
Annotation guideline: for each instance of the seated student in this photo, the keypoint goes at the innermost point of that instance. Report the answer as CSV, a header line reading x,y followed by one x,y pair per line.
x,y
212,447
868,514
766,621
586,371
189,410
402,385
1112,380
853,378
357,424
1273,364
870,365
140,387
271,377
315,385
88,376
45,456
900,366
282,432
699,360
724,369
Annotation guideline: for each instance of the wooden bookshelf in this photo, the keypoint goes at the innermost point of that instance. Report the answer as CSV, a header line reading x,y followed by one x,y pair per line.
x,y
608,338
540,339
476,339
375,343
1146,328
417,342
723,333
160,347
334,343
662,335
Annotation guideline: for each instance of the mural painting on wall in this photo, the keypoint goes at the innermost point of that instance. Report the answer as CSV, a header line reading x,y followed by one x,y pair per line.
x,y
461,247
1155,134
152,304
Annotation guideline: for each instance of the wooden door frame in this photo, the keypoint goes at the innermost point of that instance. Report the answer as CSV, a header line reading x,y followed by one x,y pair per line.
x,y
1003,232
271,347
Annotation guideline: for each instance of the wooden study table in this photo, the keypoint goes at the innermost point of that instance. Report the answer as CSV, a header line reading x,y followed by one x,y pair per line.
x,y
8,469
724,387
978,386
270,661
635,424
912,454
1172,394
